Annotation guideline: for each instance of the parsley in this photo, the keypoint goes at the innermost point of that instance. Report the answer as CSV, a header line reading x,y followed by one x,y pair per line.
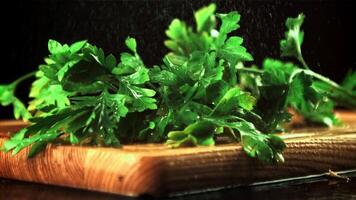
x,y
200,91
7,97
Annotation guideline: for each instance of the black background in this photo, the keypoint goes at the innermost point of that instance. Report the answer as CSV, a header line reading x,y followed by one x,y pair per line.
x,y
27,26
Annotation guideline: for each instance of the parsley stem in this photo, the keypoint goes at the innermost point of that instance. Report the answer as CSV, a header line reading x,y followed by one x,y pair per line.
x,y
22,78
249,70
301,60
306,71
328,81
321,78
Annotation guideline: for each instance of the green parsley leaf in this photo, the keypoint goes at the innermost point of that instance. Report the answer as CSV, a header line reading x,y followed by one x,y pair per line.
x,y
291,45
77,46
14,141
7,97
205,18
229,23
131,44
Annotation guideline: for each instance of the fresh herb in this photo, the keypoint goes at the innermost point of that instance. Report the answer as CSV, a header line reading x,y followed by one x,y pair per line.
x,y
201,91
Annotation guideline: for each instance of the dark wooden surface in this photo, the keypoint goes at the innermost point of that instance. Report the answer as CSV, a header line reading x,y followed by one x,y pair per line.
x,y
311,189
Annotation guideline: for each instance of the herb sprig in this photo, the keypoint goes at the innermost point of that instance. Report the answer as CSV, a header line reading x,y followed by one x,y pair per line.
x,y
201,91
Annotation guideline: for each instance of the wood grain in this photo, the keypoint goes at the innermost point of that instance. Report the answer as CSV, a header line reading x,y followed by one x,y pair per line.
x,y
157,170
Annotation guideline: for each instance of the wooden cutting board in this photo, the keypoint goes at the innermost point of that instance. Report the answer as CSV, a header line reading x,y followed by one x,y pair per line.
x,y
157,170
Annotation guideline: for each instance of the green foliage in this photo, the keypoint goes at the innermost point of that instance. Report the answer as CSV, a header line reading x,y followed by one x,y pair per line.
x,y
311,94
349,83
7,97
83,96
344,95
298,92
198,86
291,45
205,18
198,133
285,85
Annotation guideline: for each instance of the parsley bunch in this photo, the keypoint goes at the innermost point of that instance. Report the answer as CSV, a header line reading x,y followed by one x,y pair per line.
x,y
201,91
